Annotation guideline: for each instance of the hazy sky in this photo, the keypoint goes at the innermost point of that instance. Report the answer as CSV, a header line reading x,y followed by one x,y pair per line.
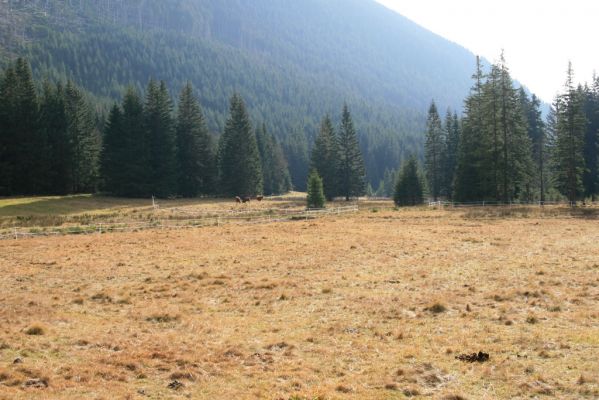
x,y
539,36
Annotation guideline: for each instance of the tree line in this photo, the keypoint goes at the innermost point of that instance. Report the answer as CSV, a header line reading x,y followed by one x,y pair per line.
x,y
502,149
102,47
53,141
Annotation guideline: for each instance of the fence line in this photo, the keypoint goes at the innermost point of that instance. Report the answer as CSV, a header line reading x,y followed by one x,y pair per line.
x,y
215,220
510,204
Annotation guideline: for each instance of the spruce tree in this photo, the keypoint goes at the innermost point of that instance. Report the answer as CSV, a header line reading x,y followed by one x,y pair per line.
x,y
162,141
515,162
351,164
537,136
134,165
32,142
452,142
86,142
59,151
571,126
434,148
295,148
113,161
194,143
281,178
590,177
409,190
21,140
275,173
316,197
491,133
494,155
325,158
239,162
471,179
550,149
7,139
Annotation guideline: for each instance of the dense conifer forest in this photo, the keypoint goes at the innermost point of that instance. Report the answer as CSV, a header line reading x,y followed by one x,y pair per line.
x,y
52,142
211,97
502,150
291,62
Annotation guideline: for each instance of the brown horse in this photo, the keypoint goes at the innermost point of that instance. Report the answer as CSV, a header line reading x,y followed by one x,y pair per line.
x,y
238,199
259,198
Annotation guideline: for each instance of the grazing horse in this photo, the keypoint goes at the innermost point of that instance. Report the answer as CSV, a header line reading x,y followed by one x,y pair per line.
x,y
238,199
245,199
259,198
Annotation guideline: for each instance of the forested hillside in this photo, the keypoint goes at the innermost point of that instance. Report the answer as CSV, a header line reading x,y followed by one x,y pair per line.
x,y
291,61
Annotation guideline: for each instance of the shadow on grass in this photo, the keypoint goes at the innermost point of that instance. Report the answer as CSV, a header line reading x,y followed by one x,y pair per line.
x,y
84,209
591,213
64,205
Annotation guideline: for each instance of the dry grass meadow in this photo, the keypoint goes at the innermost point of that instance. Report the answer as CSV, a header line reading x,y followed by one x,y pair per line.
x,y
372,305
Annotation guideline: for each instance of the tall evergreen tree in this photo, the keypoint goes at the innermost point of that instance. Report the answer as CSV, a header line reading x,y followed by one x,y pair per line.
x,y
114,158
351,164
551,146
452,142
85,140
32,143
275,173
409,190
491,132
494,161
590,177
571,127
53,115
538,139
135,164
515,164
21,139
8,143
162,141
239,158
470,181
325,158
434,152
196,160
295,148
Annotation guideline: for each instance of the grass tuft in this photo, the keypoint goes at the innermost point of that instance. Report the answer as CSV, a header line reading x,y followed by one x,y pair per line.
x,y
35,330
436,308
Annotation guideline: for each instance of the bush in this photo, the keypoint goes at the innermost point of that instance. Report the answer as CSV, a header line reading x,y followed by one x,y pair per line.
x,y
35,330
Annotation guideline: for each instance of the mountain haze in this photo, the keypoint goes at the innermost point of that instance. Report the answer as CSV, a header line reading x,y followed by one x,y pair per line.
x,y
292,61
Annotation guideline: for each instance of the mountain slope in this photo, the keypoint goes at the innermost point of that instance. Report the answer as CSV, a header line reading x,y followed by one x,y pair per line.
x,y
292,61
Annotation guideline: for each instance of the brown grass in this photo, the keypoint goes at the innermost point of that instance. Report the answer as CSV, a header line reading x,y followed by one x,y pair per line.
x,y
341,307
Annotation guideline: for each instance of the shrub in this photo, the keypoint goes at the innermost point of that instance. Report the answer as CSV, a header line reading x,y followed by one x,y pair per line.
x,y
437,308
35,330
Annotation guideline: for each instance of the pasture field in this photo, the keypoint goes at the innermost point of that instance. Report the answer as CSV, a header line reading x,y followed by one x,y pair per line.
x,y
370,305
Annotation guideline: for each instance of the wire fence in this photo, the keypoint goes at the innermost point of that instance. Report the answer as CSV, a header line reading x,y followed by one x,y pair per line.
x,y
198,220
